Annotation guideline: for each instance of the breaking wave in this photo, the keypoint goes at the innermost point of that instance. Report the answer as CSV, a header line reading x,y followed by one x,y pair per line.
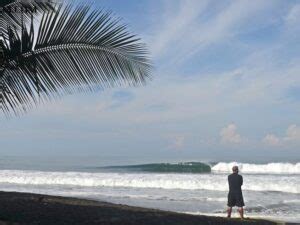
x,y
270,168
199,167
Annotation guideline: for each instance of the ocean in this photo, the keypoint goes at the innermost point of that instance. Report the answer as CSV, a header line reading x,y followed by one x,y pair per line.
x,y
271,190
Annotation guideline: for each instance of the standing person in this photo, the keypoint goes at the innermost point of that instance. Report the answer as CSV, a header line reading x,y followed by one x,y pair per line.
x,y
235,195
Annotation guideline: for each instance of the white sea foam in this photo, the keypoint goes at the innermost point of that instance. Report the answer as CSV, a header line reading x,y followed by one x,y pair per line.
x,y
270,168
214,182
292,201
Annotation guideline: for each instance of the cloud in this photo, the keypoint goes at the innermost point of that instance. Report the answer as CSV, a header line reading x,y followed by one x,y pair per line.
x,y
292,133
271,139
176,23
196,25
178,142
292,136
229,134
293,16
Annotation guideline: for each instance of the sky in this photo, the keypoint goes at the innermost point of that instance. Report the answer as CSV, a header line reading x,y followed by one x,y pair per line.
x,y
226,87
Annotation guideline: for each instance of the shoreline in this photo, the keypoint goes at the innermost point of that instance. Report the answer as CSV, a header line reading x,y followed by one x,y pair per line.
x,y
18,208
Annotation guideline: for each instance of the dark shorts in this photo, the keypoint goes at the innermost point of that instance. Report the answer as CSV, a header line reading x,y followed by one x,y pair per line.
x,y
235,199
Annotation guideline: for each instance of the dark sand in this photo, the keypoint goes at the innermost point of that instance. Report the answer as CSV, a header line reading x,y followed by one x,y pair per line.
x,y
23,208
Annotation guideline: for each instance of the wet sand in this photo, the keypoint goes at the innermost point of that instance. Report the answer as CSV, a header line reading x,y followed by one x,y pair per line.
x,y
25,208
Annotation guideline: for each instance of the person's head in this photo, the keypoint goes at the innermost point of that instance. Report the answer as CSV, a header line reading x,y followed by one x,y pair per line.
x,y
235,169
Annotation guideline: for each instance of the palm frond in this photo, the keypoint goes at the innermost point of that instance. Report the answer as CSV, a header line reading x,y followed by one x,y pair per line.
x,y
13,12
76,50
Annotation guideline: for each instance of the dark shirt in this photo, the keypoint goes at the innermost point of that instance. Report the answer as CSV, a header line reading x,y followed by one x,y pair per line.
x,y
235,182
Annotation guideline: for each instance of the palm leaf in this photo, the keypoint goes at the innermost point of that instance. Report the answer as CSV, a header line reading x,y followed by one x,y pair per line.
x,y
12,15
76,50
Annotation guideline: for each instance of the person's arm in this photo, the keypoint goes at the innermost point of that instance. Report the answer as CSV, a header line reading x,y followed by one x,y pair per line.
x,y
241,180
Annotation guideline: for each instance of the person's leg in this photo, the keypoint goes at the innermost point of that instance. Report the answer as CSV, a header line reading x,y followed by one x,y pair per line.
x,y
240,204
241,212
229,210
230,204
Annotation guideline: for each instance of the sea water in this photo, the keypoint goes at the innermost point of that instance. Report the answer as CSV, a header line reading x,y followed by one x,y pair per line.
x,y
271,190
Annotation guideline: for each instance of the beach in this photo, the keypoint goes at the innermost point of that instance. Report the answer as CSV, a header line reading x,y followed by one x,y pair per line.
x,y
192,188
24,208
271,191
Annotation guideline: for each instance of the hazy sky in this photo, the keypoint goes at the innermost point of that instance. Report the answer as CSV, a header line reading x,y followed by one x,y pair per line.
x,y
226,86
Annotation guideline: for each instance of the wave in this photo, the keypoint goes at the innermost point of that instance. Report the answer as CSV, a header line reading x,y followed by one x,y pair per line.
x,y
184,167
270,168
213,182
199,167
